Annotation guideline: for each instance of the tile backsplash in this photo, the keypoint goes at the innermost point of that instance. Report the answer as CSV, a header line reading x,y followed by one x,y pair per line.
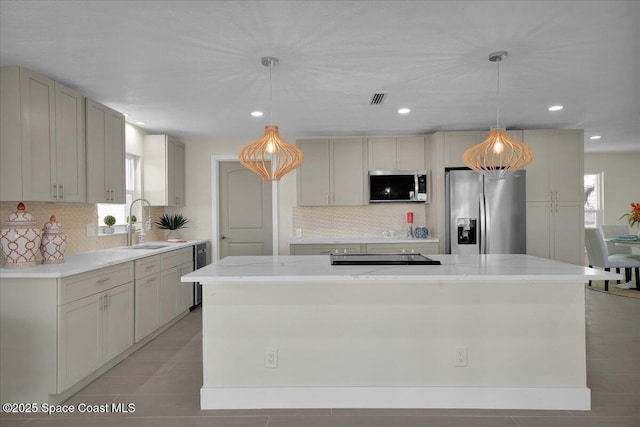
x,y
74,218
356,221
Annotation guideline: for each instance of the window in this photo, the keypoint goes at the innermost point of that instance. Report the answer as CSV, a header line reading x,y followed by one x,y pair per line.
x,y
592,200
121,211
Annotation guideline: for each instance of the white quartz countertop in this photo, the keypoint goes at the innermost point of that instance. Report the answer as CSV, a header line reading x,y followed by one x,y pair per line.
x,y
467,268
357,240
93,260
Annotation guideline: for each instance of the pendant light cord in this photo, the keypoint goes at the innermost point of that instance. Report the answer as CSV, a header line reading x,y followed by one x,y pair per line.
x,y
498,97
270,95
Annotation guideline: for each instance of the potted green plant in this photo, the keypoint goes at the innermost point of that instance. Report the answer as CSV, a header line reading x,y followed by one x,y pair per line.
x,y
131,223
172,223
109,220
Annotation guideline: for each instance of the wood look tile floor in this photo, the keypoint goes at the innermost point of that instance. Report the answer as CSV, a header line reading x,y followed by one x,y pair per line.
x,y
164,377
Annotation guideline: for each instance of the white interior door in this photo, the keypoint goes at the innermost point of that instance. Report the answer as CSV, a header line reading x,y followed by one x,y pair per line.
x,y
245,212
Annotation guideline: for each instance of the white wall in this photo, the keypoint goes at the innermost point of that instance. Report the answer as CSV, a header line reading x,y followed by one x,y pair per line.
x,y
620,179
134,137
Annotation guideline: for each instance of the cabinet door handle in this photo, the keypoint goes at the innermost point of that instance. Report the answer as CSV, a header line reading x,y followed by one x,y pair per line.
x,y
106,302
149,267
61,191
551,196
55,187
557,196
104,280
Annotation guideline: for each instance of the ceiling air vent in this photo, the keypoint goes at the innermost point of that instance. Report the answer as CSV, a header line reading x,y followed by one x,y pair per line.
x,y
377,98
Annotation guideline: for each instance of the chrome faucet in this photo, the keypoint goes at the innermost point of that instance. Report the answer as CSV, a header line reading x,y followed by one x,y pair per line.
x,y
130,228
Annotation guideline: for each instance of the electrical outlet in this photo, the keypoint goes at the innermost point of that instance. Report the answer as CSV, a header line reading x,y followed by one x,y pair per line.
x,y
461,356
298,233
270,357
91,231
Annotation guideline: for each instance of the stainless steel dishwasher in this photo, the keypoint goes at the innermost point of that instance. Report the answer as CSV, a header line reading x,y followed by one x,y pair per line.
x,y
200,259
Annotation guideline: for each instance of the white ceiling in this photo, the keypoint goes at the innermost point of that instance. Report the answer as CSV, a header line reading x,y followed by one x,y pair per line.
x,y
192,69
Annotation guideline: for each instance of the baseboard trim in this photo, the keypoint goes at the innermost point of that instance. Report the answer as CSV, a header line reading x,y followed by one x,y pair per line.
x,y
396,397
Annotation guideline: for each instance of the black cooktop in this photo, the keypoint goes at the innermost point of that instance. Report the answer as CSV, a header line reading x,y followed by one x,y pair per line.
x,y
382,259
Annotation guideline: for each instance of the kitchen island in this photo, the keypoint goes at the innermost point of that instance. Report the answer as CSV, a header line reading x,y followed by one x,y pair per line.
x,y
487,331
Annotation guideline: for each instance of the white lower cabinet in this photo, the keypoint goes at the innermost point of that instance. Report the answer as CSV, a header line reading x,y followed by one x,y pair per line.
x,y
160,295
80,325
172,290
147,303
95,328
147,292
79,342
185,290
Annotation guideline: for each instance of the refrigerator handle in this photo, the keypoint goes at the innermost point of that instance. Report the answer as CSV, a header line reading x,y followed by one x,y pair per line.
x,y
482,235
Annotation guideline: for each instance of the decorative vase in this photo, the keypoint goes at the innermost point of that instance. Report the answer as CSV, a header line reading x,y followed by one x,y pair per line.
x,y
20,239
54,242
108,230
173,236
422,232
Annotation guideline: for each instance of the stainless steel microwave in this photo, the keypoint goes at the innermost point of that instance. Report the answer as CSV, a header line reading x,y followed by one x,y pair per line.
x,y
398,186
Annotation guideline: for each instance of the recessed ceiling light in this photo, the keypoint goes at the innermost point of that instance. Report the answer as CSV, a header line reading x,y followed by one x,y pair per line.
x,y
141,123
556,108
404,111
595,137
257,113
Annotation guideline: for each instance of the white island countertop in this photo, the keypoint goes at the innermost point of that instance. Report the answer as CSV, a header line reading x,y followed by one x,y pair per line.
x,y
94,260
454,268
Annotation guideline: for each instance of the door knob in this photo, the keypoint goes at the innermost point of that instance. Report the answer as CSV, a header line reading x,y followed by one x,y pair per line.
x,y
223,237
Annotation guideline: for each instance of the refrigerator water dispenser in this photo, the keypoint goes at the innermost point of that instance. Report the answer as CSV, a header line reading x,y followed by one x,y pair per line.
x,y
467,233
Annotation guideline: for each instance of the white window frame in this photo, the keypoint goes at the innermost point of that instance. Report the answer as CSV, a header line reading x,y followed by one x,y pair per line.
x,y
593,201
119,210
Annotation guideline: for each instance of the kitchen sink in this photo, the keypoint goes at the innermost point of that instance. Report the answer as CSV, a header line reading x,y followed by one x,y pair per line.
x,y
146,246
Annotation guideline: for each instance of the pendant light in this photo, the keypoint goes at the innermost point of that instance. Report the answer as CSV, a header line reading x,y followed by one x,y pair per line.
x,y
271,157
499,155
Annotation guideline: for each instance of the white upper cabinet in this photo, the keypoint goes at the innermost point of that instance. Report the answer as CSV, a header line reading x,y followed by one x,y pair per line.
x,y
457,142
105,154
396,153
42,142
556,173
333,172
164,171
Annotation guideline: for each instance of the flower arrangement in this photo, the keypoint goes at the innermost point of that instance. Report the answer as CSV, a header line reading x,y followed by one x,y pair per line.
x,y
633,217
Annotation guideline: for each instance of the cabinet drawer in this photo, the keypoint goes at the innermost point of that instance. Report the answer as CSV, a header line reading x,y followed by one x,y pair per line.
x,y
81,285
177,257
147,266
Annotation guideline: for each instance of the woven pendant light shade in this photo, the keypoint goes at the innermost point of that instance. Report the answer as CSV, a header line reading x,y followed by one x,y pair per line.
x,y
271,157
498,155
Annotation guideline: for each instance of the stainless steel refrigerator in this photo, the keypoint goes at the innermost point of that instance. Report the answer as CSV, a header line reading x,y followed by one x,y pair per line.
x,y
485,216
